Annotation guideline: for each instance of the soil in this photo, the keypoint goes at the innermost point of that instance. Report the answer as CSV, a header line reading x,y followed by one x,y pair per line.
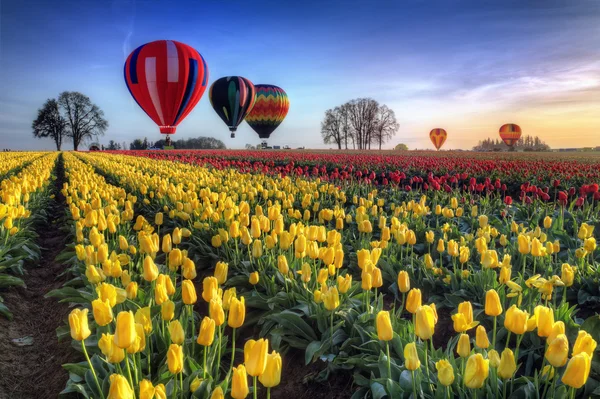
x,y
35,371
298,380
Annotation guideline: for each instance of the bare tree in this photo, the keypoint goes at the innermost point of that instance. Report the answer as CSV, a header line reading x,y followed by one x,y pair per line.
x,y
84,119
386,125
50,123
331,129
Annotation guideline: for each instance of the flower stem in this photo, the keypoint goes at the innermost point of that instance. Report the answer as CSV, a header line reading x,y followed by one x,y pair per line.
x,y
387,344
232,349
91,367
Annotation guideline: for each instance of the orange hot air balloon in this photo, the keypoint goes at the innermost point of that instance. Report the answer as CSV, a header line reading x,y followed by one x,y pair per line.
x,y
510,133
438,137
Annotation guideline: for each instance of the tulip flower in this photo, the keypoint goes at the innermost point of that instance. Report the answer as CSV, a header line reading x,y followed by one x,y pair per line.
x,y
494,358
102,312
215,310
150,269
463,348
567,275
167,310
221,272
384,326
254,278
411,357
515,320
119,387
175,359
476,371
210,288
344,283
413,301
403,282
112,352
524,243
544,319
578,370
217,393
508,365
125,334
146,389
445,372
481,338
188,292
143,317
557,351
176,332
424,322
239,383
584,343
272,375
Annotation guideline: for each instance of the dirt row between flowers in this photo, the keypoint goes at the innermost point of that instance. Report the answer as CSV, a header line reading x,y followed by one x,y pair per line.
x,y
30,354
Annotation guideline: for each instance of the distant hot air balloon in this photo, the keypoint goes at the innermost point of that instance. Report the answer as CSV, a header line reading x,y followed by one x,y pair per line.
x,y
438,137
270,108
167,79
510,133
232,97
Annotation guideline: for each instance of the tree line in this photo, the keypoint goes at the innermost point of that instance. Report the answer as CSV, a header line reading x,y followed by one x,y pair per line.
x,y
197,143
72,116
359,123
525,143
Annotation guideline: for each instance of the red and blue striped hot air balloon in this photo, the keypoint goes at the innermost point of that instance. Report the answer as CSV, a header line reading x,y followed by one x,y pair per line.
x,y
232,98
438,137
270,108
167,79
510,133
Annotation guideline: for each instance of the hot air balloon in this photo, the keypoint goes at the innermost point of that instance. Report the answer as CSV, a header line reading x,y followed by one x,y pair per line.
x,y
438,137
270,108
167,79
510,134
232,97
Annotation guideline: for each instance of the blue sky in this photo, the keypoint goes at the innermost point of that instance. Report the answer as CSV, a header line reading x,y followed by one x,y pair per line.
x,y
467,66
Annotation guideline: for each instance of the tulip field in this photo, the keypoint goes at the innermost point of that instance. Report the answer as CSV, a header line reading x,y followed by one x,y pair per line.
x,y
259,274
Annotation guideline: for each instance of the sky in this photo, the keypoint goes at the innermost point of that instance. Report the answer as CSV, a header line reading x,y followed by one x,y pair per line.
x,y
466,66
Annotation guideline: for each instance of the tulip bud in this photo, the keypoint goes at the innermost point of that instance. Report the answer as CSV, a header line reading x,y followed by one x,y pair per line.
x,y
254,278
175,359
476,371
176,332
167,310
413,301
508,365
221,272
102,312
210,287
494,358
578,370
493,306
411,357
481,338
237,313
206,335
403,282
119,387
384,326
255,356
125,333
216,311
150,269
166,244
463,348
445,372
78,322
239,383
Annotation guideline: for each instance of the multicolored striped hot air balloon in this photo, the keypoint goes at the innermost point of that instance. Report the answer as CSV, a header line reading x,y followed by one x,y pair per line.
x,y
510,133
232,97
167,79
438,137
270,108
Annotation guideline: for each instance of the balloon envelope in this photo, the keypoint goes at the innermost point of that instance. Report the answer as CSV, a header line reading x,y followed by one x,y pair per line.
x,y
438,137
270,108
510,133
167,79
232,97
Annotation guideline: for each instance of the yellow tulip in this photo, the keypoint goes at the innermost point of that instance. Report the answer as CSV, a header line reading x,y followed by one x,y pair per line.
x,y
206,335
516,320
445,372
188,292
481,338
584,343
557,329
493,306
125,333
78,322
476,371
567,274
403,282
272,374
176,332
508,365
557,351
578,370
544,319
411,357
344,283
424,322
216,312
282,265
143,316
383,323
167,245
494,358
210,288
331,299
102,312
150,269
524,243
167,310
463,347
254,278
239,383
255,356
132,290
237,313
113,353
175,359
119,388
413,301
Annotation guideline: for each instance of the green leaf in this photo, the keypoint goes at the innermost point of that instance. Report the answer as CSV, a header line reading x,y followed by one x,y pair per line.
x,y
10,281
311,350
378,390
